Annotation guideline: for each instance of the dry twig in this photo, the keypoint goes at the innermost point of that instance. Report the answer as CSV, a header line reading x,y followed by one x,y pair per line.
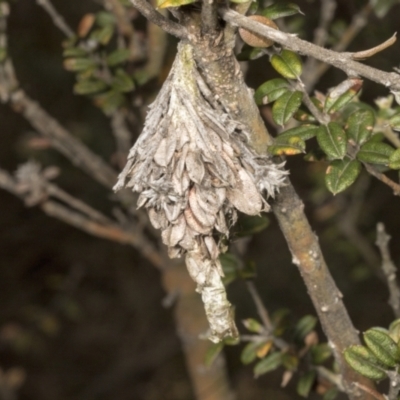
x,y
388,268
343,61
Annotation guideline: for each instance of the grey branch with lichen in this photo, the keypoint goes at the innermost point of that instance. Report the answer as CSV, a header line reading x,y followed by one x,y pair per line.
x,y
194,171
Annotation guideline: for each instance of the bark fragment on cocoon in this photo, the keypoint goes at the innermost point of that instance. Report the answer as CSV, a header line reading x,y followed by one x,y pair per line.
x,y
194,171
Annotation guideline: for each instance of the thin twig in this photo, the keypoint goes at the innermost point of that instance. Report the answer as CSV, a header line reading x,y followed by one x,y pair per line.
x,y
370,391
321,117
154,16
341,61
262,311
383,178
105,230
57,18
361,55
388,268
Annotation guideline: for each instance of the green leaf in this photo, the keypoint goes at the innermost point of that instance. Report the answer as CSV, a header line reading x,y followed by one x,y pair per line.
x,y
79,64
118,57
364,362
249,353
110,101
103,35
331,394
288,64
342,94
89,86
305,383
395,122
280,321
303,116
248,271
75,52
239,1
173,3
290,147
320,353
382,346
303,132
252,325
332,140
251,224
304,327
394,331
280,10
360,125
271,90
341,174
375,153
104,18
394,160
212,353
230,266
3,54
122,82
381,7
290,362
268,364
284,108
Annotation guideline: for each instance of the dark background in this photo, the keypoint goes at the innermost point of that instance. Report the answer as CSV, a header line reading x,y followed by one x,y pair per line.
x,y
82,317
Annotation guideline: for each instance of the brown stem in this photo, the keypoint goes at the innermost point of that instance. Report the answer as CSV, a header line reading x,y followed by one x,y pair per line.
x,y
326,297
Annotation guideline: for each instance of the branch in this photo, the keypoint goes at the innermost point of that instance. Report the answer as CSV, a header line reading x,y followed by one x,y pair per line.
x,y
36,190
154,16
357,23
383,178
343,61
58,19
388,268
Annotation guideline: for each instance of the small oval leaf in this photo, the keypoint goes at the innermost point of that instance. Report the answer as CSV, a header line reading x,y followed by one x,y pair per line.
x,y
332,140
284,108
394,160
173,3
305,383
303,132
382,346
89,86
122,82
364,362
249,353
288,64
250,225
280,10
253,326
118,56
294,146
342,94
341,174
395,122
375,153
268,364
360,125
304,327
212,353
271,90
320,353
